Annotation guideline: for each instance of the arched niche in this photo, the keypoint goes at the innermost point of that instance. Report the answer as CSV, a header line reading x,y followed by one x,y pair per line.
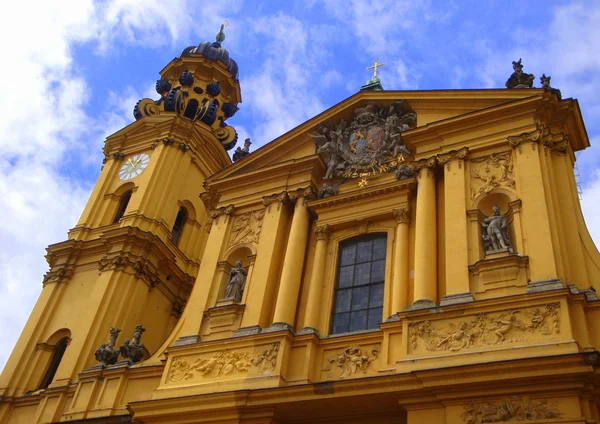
x,y
245,253
510,207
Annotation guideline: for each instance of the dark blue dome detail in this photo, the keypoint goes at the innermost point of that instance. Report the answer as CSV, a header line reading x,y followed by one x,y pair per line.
x,y
213,51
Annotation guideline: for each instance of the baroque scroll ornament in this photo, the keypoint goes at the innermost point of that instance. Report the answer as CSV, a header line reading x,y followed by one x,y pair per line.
x,y
371,143
486,329
490,172
246,228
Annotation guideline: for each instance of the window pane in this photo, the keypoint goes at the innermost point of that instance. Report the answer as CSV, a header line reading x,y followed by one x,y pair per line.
x,y
360,298
374,317
362,274
348,255
365,249
358,321
375,296
346,276
342,301
340,323
377,271
379,248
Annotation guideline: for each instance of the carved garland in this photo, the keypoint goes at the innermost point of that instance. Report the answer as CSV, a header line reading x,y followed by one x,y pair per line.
x,y
486,329
514,408
225,362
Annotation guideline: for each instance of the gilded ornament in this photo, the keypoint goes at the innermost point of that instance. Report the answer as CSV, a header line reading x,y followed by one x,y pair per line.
x,y
486,329
352,360
490,172
514,408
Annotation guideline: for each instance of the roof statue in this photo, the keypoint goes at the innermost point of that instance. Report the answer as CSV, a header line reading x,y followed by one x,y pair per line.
x,y
519,79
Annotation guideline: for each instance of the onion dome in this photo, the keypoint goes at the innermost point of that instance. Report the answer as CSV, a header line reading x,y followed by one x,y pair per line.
x,y
214,51
202,86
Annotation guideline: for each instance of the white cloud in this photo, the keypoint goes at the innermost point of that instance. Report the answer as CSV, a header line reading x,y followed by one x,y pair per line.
x,y
44,124
590,201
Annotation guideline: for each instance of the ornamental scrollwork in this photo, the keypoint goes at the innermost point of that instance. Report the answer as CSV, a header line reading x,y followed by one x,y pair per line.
x,y
486,329
226,362
490,172
514,408
246,227
352,360
57,276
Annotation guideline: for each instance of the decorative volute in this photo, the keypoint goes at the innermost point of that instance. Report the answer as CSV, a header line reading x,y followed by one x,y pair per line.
x,y
201,85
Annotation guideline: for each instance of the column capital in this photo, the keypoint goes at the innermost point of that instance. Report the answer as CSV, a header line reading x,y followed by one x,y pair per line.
x,y
423,166
307,193
556,143
225,211
279,199
402,215
458,155
322,232
531,137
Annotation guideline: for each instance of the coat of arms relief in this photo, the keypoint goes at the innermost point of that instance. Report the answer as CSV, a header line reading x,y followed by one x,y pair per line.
x,y
371,143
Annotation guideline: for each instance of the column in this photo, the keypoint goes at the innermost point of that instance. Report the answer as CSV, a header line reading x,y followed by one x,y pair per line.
x,y
425,289
401,271
293,262
315,289
455,228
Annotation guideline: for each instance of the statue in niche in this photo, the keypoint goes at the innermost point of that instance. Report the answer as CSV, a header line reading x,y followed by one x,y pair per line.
x,y
519,79
495,233
235,285
133,350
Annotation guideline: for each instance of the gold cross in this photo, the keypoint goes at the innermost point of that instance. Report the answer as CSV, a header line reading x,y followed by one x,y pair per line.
x,y
375,66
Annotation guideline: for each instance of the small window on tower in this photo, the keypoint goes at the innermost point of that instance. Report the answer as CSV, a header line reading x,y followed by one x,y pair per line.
x,y
182,216
122,206
57,355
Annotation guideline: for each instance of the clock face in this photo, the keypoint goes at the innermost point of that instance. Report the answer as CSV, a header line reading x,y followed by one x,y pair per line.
x,y
134,166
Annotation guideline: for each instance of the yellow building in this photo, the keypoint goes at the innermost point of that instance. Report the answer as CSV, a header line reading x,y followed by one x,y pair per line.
x,y
403,257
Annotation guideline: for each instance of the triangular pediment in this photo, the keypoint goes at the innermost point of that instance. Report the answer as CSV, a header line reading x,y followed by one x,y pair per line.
x,y
430,107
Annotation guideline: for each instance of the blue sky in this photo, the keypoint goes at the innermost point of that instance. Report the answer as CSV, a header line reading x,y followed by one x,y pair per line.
x,y
72,75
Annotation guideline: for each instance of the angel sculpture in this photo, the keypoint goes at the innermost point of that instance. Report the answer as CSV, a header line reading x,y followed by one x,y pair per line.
x,y
328,143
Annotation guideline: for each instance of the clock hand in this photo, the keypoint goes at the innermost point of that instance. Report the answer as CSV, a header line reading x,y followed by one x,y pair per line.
x,y
138,161
132,164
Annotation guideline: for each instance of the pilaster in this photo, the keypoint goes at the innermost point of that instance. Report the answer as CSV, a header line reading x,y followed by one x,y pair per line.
x,y
455,227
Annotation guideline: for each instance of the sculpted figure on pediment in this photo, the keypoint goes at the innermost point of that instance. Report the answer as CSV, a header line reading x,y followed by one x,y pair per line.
x,y
369,143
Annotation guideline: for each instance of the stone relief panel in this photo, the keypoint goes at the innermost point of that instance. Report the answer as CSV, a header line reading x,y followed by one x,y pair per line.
x,y
490,172
514,408
246,227
486,329
224,363
352,360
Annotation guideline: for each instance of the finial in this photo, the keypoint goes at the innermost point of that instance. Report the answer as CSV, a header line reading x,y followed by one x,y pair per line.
x,y
221,34
374,67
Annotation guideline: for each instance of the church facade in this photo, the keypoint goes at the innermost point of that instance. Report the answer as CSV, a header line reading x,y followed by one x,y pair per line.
x,y
403,257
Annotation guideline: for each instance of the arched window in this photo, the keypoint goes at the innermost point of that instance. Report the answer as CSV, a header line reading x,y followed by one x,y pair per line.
x,y
358,303
122,206
182,216
57,355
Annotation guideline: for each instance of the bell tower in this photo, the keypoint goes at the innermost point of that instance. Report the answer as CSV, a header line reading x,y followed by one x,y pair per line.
x,y
134,254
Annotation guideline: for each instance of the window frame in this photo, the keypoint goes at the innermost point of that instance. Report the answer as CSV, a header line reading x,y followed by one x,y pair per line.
x,y
335,278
